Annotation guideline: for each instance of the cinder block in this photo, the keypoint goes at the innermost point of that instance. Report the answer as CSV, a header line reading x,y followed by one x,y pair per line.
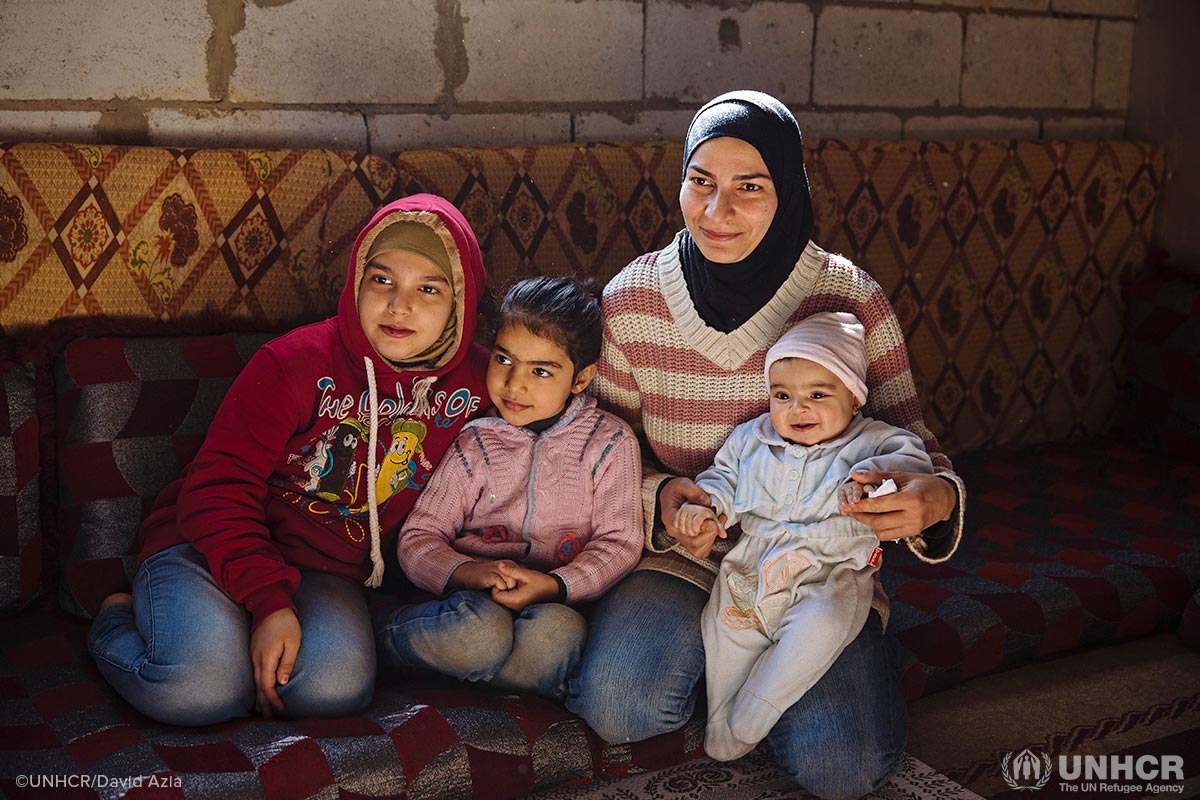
x,y
1084,128
695,52
83,50
552,51
668,125
393,132
1114,64
1018,5
885,57
267,128
1027,62
49,126
1107,8
959,127
312,51
849,125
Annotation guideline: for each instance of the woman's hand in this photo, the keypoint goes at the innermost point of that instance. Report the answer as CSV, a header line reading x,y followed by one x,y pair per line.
x,y
273,648
683,490
920,501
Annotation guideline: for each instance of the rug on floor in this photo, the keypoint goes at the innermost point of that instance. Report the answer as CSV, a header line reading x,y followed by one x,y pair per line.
x,y
1134,700
751,778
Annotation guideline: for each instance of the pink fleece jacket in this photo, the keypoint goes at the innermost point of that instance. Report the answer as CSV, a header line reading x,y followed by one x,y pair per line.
x,y
567,502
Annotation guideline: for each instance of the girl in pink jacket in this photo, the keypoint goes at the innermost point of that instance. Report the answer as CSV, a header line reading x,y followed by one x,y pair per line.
x,y
527,513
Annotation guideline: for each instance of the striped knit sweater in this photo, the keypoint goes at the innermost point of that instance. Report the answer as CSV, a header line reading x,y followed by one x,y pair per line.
x,y
684,386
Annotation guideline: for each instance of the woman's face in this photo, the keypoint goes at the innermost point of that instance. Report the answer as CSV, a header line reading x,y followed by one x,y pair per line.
x,y
728,199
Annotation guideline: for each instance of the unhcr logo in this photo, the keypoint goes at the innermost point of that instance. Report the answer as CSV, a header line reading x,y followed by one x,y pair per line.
x,y
1119,774
1025,770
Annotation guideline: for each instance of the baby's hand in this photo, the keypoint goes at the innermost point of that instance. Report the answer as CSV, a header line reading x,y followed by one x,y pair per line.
x,y
850,493
691,517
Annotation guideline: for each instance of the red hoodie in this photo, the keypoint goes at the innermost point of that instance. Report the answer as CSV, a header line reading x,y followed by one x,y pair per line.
x,y
281,482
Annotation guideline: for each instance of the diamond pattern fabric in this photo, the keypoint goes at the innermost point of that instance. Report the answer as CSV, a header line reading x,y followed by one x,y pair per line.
x,y
420,737
1070,544
1005,261
20,536
131,413
259,237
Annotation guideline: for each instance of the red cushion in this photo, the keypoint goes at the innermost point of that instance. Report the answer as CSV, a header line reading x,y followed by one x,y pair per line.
x,y
131,413
20,533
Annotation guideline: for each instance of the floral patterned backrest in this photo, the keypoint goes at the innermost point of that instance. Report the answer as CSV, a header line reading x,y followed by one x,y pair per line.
x,y
1005,261
254,238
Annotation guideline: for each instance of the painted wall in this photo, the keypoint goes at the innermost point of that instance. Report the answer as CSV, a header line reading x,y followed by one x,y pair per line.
x,y
384,75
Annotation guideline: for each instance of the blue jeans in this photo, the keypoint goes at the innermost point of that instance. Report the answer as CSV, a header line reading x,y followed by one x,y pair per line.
x,y
181,653
844,738
471,637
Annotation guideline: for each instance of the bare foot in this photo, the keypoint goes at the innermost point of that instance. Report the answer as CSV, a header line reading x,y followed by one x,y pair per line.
x,y
123,598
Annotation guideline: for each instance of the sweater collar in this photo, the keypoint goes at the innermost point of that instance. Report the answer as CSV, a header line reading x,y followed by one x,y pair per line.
x,y
577,406
730,350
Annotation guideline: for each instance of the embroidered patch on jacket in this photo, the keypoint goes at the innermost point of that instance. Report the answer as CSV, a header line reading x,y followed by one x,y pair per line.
x,y
568,547
494,534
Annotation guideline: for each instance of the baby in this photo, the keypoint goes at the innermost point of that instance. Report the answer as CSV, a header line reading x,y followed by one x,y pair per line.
x,y
796,588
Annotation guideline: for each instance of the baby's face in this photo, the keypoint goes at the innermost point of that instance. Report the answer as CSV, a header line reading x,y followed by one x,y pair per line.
x,y
809,404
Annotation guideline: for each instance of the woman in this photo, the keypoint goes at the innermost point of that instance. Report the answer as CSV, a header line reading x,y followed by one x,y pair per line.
x,y
687,330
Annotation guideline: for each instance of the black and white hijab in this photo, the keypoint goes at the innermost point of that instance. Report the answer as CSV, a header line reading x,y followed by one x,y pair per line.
x,y
726,295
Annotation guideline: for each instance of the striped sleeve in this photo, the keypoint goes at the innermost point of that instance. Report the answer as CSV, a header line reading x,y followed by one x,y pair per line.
x,y
892,391
617,391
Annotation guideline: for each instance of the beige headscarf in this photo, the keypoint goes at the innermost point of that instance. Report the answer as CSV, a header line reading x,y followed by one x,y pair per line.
x,y
418,238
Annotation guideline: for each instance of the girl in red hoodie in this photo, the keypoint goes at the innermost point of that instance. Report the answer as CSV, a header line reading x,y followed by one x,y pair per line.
x,y
249,588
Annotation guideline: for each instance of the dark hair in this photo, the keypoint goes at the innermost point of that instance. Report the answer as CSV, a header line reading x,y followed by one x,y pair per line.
x,y
563,310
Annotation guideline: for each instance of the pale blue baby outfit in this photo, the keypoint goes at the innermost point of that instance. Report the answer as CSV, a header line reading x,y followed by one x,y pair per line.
x,y
797,586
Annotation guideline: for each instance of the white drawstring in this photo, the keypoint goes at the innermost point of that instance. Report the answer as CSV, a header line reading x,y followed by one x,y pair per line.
x,y
420,397
376,577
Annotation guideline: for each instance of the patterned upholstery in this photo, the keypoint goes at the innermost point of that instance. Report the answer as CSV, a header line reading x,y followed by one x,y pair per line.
x,y
1005,261
1070,544
1076,545
1162,406
131,413
20,535
1189,624
586,209
259,237
426,739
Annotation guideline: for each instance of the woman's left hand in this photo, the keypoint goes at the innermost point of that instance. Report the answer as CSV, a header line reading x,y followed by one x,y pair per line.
x,y
921,501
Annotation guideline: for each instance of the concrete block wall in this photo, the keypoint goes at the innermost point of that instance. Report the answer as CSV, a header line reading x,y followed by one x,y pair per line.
x,y
386,75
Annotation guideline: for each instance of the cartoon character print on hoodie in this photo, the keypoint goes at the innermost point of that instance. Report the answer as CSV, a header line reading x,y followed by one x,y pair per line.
x,y
303,460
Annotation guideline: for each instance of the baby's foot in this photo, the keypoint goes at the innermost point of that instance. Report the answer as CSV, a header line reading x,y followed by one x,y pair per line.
x,y
117,598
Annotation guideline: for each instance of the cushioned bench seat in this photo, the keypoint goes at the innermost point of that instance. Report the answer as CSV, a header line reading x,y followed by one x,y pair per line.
x,y
1075,545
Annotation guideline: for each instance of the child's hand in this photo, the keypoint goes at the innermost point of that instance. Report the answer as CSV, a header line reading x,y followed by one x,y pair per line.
x,y
677,493
690,519
273,648
850,493
530,587
482,575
